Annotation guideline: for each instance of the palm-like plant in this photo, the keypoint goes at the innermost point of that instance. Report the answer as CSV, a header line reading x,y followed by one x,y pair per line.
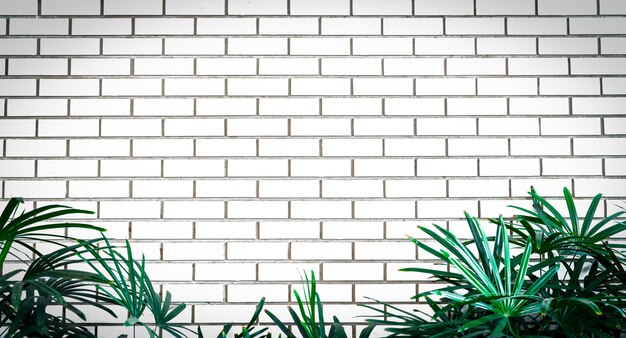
x,y
248,331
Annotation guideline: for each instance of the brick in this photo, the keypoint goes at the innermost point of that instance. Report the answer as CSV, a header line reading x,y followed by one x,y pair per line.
x,y
70,7
415,147
12,46
546,146
130,168
17,128
546,187
319,46
226,26
598,105
383,126
352,188
446,167
130,209
99,147
384,209
35,148
169,26
351,106
226,147
257,46
412,26
593,66
536,66
252,293
132,46
288,106
133,7
445,86
320,167
478,147
474,26
351,66
351,26
609,187
507,86
447,126
193,127
570,126
195,292
414,66
194,86
382,46
613,45
162,188
158,66
17,87
506,46
352,147
69,87
163,147
353,271
539,106
258,86
304,66
509,167
192,251
68,128
321,251
70,46
383,86
261,251
448,208
320,127
352,230
508,7
415,188
321,7
3,27
536,26
320,86
67,168
282,26
394,273
19,168
18,7
226,230
612,7
475,66
194,7
571,166
193,209
450,7
170,272
414,106
600,146
163,107
35,189
568,46
192,168
289,188
225,272
563,7
289,147
39,66
257,7
384,167
385,251
18,26
194,46
229,66
614,166
615,126
131,87
569,86
291,230
613,86
320,209
100,66
100,26
226,188
99,188
257,168
372,7
508,126
286,271
477,106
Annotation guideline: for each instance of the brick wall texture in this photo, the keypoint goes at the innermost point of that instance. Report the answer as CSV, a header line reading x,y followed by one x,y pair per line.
x,y
239,142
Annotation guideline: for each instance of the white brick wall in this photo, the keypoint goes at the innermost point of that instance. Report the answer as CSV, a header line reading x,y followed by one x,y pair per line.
x,y
239,142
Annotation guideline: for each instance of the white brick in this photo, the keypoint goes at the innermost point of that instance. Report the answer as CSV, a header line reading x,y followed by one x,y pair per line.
x,y
3,27
21,168
285,271
191,168
70,46
321,209
229,66
612,7
546,187
509,167
384,251
598,105
258,86
446,167
101,26
161,230
351,66
99,147
382,46
69,87
321,127
17,128
614,166
284,230
320,167
374,7
257,168
170,272
384,209
320,7
256,250
352,188
383,86
351,26
225,272
414,106
132,46
447,126
226,26
476,66
474,26
539,106
383,126
507,7
257,46
448,208
289,147
414,66
288,106
194,127
412,26
536,26
449,7
164,66
352,147
169,26
226,147
130,168
415,147
507,86
68,128
163,147
18,7
226,188
18,26
194,7
352,230
35,148
18,46
252,293
598,66
609,187
193,209
571,166
570,126
97,66
99,107
133,7
131,87
415,188
194,86
226,230
384,167
194,46
353,271
568,46
445,86
34,189
39,66
600,146
321,251
513,46
352,106
611,45
257,7
162,107
319,46
282,26
17,87
545,146
320,86
615,126
99,188
613,86
289,188
477,106
130,209
536,66
305,66
192,251
194,293
569,86
128,127
563,7
478,147
508,126
162,188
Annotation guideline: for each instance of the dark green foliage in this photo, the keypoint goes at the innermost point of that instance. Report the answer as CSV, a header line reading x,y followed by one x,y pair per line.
x,y
248,331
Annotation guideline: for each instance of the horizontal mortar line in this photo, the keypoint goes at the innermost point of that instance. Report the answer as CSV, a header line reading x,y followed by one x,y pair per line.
x,y
309,56
301,117
311,76
344,157
311,35
318,96
421,136
262,16
297,178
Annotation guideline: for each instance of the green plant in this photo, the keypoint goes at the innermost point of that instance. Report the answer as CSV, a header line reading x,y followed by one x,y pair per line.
x,y
248,331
